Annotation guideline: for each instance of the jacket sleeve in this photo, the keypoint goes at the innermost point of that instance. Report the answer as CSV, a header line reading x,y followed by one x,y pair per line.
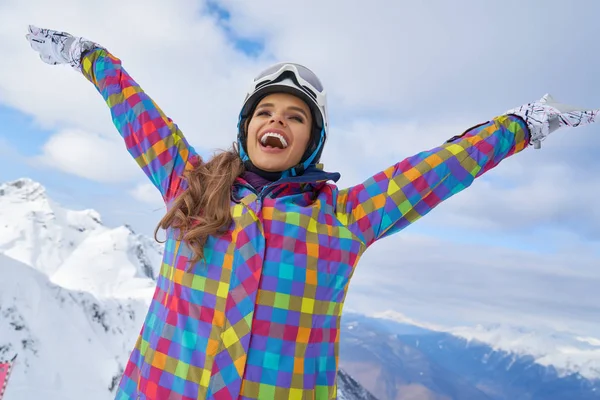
x,y
398,196
154,141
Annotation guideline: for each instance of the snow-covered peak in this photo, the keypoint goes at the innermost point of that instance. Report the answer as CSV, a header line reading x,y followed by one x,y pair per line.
x,y
566,352
70,345
43,234
22,190
350,389
112,263
84,219
37,231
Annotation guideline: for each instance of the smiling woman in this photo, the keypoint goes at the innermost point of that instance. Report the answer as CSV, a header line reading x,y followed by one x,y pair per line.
x,y
261,246
278,132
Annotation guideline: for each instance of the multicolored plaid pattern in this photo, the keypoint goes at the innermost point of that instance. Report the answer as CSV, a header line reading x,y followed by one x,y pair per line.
x,y
5,370
154,141
260,318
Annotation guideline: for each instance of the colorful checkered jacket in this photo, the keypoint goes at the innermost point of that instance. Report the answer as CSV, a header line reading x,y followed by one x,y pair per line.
x,y
260,317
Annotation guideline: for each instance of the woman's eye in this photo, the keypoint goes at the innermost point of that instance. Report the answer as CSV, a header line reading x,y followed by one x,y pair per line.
x,y
260,113
298,118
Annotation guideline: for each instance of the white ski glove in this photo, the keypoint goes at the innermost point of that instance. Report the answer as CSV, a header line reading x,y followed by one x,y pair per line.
x,y
58,47
546,115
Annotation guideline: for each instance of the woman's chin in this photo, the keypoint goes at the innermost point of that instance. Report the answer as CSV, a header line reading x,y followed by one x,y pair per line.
x,y
270,168
271,165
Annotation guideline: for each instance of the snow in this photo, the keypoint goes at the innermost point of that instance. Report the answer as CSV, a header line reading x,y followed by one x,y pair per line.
x,y
567,352
69,343
118,264
73,296
36,231
73,248
349,389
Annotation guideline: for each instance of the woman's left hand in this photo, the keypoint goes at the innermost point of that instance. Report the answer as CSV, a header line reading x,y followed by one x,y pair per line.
x,y
546,115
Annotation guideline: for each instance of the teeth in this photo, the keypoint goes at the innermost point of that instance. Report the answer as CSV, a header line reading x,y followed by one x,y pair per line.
x,y
267,135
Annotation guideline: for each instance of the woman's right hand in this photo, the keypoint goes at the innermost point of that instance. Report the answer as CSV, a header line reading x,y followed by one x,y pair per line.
x,y
56,47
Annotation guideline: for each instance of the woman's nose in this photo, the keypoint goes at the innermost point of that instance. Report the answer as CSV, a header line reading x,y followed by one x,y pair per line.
x,y
278,120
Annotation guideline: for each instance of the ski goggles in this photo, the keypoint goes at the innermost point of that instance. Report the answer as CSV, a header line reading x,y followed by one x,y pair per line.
x,y
304,78
304,75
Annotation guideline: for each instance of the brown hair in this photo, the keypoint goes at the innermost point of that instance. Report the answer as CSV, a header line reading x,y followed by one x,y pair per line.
x,y
204,208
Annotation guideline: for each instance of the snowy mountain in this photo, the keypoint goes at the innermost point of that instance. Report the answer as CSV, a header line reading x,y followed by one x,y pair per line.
x,y
73,297
70,344
350,389
565,352
40,233
397,361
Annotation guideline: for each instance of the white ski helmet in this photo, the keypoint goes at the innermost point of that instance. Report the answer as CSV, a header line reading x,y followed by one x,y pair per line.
x,y
299,81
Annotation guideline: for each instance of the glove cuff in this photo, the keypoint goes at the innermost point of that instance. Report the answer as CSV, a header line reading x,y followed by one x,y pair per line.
x,y
536,117
78,47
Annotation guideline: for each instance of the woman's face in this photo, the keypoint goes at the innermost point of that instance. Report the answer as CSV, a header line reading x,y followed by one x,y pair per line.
x,y
278,132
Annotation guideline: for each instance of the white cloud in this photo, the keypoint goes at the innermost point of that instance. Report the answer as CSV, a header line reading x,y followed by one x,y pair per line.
x,y
449,283
180,57
411,57
410,63
90,156
363,147
147,193
529,191
591,341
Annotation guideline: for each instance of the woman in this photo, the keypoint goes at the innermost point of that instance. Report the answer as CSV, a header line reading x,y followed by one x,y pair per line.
x,y
260,246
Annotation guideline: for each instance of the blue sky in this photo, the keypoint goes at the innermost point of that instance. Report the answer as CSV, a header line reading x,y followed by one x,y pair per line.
x,y
399,82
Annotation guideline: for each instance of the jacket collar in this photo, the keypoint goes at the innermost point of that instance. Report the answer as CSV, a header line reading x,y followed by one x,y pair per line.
x,y
313,176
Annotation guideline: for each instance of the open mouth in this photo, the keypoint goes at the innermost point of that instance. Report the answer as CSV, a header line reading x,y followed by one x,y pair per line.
x,y
273,140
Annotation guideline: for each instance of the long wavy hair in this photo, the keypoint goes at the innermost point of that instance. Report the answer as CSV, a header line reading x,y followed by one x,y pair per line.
x,y
204,208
